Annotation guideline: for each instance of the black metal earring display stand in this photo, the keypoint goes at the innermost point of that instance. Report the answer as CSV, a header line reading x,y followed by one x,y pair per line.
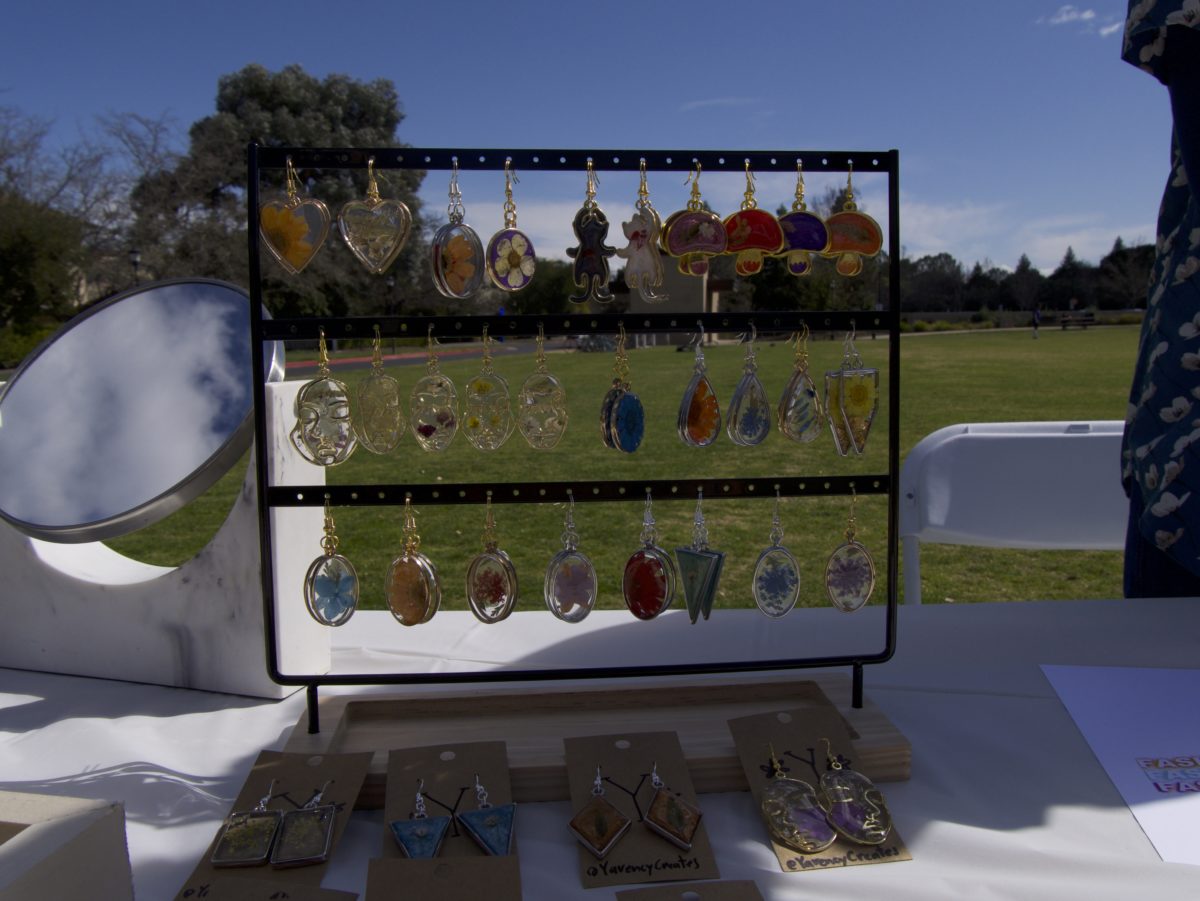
x,y
571,323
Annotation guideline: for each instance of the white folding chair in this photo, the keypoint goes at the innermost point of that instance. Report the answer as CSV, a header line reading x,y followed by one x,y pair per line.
x,y
1013,485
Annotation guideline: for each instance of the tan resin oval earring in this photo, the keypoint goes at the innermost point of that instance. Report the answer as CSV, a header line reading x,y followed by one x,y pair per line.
x,y
412,589
491,577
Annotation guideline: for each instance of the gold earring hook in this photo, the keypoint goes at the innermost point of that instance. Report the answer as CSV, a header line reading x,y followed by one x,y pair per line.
x,y
292,182
798,205
372,185
748,201
695,204
510,207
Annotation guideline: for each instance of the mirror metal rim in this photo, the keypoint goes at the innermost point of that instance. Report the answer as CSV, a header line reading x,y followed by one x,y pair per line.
x,y
199,480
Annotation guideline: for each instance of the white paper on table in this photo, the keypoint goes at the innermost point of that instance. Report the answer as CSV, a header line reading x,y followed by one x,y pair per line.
x,y
1142,726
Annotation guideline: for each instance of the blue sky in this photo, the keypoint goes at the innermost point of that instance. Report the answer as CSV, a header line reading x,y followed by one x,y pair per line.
x,y
1019,128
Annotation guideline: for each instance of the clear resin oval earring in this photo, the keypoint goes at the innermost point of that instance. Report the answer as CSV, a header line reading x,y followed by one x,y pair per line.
x,y
324,432
380,423
456,253
293,230
433,406
749,412
699,567
412,589
590,269
491,577
776,581
851,399
649,582
510,256
542,403
622,419
850,572
799,414
487,413
331,583
375,229
699,421
793,816
571,586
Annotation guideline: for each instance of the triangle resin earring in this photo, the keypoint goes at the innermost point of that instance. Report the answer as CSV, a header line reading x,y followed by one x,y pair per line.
x,y
699,567
420,837
492,828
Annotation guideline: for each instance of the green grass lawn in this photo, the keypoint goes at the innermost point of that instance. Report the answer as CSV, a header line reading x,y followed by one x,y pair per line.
x,y
945,378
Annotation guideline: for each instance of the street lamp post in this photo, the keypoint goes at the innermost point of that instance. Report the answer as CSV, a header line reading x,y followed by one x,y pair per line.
x,y
135,260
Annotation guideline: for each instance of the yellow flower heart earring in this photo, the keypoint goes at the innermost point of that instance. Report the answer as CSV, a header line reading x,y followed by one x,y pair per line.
x,y
293,230
375,229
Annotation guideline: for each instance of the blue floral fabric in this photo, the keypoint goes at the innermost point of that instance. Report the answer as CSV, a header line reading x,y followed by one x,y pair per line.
x,y
1162,431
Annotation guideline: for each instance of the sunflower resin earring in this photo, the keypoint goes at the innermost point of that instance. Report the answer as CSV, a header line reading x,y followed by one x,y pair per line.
x,y
433,405
491,577
649,581
413,590
293,230
375,229
324,432
852,804
510,257
643,261
331,583
487,412
571,586
776,581
799,414
749,411
456,253
699,567
850,572
380,423
699,422
851,399
591,254
542,403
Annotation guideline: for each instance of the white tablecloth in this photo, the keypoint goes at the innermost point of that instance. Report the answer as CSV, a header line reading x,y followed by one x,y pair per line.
x,y
1006,799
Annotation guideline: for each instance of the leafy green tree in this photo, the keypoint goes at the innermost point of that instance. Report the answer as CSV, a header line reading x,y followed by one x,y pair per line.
x,y
1123,276
1024,284
41,258
190,216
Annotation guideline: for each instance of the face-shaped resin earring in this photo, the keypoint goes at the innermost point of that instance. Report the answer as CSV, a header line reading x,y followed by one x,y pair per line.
x,y
487,413
850,572
598,825
776,581
433,405
793,816
331,583
413,590
420,837
293,230
380,422
324,432
650,577
542,403
491,577
570,589
852,803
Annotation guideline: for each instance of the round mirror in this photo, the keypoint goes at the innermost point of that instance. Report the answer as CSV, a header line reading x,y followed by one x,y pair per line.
x,y
132,409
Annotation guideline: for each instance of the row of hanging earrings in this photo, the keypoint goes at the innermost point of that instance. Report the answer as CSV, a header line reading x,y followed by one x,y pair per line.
x,y
326,432
651,579
376,229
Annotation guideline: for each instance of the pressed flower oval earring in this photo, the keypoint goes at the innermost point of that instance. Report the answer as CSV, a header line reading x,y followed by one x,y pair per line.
x,y
851,398
776,581
850,572
799,413
542,403
324,432
375,229
293,230
622,418
590,271
570,588
380,423
487,413
749,411
331,583
643,261
699,421
491,577
456,253
649,582
433,405
510,257
412,589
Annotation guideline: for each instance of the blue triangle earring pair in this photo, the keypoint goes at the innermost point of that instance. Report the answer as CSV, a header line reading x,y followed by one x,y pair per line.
x,y
490,826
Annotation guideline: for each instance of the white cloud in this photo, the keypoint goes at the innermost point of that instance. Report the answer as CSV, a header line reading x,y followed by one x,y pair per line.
x,y
1112,29
692,106
1068,14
